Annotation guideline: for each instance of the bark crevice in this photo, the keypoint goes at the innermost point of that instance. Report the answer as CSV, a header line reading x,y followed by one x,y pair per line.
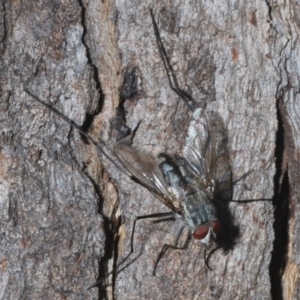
x,y
89,117
280,202
110,226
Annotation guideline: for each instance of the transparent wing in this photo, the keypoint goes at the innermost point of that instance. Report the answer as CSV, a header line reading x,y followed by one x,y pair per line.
x,y
145,169
207,154
222,167
199,150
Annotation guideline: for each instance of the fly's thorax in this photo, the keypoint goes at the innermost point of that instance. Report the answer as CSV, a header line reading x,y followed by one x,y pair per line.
x,y
198,207
200,214
172,170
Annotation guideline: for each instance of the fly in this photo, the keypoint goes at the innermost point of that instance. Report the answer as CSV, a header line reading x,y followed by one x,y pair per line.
x,y
190,186
186,185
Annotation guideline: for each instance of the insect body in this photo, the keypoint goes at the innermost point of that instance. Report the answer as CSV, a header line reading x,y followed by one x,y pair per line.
x,y
186,185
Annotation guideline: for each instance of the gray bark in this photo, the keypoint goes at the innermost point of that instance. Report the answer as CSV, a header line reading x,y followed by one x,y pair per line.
x,y
67,211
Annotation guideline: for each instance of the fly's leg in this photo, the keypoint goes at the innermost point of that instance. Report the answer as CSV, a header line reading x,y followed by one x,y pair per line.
x,y
207,257
169,70
162,216
74,125
174,247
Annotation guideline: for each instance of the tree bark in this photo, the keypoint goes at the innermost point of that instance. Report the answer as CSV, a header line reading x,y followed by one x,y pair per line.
x,y
67,211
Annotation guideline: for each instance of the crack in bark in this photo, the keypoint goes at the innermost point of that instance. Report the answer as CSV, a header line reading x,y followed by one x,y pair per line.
x,y
89,118
281,199
269,9
110,227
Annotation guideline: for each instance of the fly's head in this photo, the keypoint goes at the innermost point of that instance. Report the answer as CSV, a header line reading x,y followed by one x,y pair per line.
x,y
204,232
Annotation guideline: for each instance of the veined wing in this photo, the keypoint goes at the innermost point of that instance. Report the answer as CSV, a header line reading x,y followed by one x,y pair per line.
x,y
145,169
199,151
207,155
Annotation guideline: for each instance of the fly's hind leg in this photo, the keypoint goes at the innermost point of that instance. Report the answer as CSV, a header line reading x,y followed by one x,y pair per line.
x,y
161,217
188,100
174,247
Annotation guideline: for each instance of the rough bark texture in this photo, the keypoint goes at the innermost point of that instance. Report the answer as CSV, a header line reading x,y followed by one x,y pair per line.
x,y
61,201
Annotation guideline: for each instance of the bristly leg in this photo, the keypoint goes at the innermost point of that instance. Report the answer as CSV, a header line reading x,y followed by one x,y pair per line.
x,y
206,258
188,100
174,247
167,216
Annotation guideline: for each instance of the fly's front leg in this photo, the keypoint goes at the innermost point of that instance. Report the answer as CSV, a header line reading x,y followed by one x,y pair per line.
x,y
174,247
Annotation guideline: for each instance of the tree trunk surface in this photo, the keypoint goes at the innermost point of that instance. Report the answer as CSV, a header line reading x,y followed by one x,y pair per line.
x,y
67,212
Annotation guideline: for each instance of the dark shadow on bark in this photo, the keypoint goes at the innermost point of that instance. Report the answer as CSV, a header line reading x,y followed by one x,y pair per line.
x,y
110,228
281,213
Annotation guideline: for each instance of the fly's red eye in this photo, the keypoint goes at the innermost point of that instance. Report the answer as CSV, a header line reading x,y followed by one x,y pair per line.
x,y
215,226
200,232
